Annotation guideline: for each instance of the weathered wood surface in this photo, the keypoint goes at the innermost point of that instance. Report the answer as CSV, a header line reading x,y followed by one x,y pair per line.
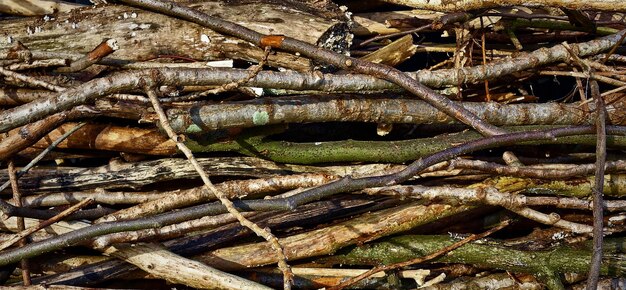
x,y
136,175
144,35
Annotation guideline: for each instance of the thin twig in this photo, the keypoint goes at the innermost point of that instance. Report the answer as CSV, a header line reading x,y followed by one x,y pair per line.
x,y
488,195
26,232
254,71
613,49
434,255
401,33
17,198
38,64
552,171
31,80
282,260
598,203
7,208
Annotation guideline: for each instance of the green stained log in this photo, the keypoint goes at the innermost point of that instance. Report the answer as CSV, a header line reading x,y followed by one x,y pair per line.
x,y
562,259
254,144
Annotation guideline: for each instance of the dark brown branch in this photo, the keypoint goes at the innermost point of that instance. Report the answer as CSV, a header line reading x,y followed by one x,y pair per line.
x,y
598,203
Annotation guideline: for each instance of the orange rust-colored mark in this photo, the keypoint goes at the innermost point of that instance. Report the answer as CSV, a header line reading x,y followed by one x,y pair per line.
x,y
273,41
105,48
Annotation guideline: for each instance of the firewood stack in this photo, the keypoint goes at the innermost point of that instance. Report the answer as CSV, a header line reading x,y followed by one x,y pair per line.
x,y
258,144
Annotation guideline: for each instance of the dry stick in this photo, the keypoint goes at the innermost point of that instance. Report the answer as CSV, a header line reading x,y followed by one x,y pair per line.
x,y
548,172
26,232
598,203
613,91
233,188
314,52
38,64
103,49
15,143
401,33
434,255
575,74
17,197
490,196
484,55
7,208
302,109
31,80
254,71
436,25
613,49
98,53
282,260
166,232
508,156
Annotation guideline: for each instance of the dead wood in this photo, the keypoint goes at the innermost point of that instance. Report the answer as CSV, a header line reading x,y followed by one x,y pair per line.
x,y
220,80
145,35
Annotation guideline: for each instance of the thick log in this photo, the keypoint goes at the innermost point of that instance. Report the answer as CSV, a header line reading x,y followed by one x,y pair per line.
x,y
144,35
35,7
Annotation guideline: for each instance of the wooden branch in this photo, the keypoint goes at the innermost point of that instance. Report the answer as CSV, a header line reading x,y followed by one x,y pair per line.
x,y
315,213
232,189
25,136
381,110
35,7
367,151
380,23
39,109
328,240
394,53
487,195
176,269
137,30
111,138
136,175
464,5
26,232
562,259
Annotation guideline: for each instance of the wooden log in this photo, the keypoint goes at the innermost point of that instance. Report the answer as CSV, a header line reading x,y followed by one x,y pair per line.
x,y
327,240
35,7
112,138
135,175
144,35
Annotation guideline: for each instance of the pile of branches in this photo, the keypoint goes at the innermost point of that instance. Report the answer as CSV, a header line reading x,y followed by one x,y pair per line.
x,y
309,144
